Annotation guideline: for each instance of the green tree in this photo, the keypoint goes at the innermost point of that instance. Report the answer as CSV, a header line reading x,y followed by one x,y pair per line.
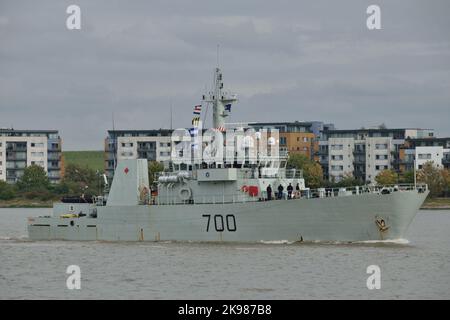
x,y
312,171
407,177
433,177
34,178
80,179
153,168
446,175
6,191
298,161
348,181
386,177
313,175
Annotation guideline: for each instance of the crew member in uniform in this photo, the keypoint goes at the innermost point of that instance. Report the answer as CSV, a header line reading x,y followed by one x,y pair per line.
x,y
269,192
297,190
290,188
280,191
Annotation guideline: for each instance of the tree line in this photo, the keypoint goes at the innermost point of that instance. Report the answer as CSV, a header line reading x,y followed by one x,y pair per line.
x,y
77,180
35,184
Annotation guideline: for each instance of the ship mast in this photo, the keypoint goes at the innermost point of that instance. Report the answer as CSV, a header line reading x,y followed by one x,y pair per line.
x,y
219,99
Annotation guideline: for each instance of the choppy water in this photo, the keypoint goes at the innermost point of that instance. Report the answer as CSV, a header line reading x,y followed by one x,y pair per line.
x,y
419,268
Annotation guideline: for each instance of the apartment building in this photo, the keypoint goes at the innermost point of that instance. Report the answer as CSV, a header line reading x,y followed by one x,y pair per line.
x,y
422,150
297,137
154,145
364,153
22,148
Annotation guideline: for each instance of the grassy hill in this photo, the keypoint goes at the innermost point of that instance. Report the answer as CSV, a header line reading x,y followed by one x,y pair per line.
x,y
92,159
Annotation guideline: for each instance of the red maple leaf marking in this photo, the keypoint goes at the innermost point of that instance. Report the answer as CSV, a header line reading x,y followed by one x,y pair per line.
x,y
126,170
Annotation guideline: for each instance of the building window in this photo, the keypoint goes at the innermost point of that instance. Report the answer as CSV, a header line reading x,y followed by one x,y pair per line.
x,y
127,145
37,145
381,157
337,146
424,156
37,154
127,154
381,146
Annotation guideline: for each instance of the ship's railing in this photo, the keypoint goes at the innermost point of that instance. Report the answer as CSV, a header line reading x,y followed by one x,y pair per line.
x,y
281,173
303,194
346,191
204,199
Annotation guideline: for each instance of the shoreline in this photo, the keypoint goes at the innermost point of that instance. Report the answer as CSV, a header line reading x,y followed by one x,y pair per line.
x,y
26,203
436,204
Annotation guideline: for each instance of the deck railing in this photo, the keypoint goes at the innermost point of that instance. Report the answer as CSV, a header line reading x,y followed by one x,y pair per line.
x,y
303,194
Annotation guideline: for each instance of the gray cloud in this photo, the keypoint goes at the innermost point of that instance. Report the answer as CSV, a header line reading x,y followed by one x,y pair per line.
x,y
304,60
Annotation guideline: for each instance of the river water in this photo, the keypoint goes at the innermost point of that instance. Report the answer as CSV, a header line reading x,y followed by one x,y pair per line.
x,y
415,269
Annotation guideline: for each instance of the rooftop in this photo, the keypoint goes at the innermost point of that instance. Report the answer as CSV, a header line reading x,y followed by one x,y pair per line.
x,y
5,132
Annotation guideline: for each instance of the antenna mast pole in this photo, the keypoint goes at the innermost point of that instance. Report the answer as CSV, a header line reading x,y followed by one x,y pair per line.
x,y
114,143
171,116
219,99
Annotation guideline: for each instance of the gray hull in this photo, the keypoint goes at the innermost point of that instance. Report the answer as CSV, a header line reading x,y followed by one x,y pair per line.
x,y
344,218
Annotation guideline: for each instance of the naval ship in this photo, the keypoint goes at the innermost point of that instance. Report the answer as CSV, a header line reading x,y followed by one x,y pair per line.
x,y
229,201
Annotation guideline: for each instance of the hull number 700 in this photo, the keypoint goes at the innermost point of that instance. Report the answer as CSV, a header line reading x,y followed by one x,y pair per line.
x,y
221,222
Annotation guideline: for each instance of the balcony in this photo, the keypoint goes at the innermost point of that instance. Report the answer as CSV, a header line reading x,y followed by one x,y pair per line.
x,y
55,156
16,149
148,149
147,155
16,156
53,167
14,173
16,146
359,174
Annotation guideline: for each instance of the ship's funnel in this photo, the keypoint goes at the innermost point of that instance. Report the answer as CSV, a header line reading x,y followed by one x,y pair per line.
x,y
130,179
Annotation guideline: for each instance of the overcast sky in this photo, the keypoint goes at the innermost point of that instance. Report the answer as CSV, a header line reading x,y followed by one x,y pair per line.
x,y
286,60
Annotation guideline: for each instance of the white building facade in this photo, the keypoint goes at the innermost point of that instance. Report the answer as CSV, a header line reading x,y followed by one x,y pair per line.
x,y
435,155
340,158
153,145
363,153
22,148
378,156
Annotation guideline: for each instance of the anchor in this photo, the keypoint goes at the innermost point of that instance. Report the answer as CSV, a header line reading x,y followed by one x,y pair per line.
x,y
381,224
